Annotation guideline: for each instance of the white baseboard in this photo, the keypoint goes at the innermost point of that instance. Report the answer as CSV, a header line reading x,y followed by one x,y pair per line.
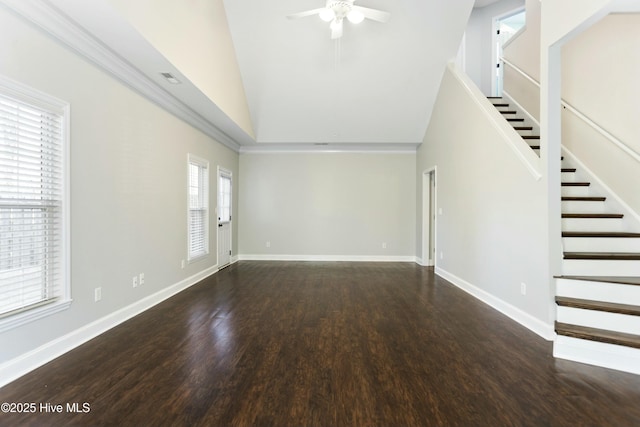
x,y
15,368
599,354
537,326
352,258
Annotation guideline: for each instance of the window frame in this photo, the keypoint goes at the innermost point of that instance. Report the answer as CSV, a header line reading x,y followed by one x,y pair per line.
x,y
203,165
39,100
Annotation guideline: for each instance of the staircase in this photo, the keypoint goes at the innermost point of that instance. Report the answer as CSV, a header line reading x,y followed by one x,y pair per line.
x,y
598,293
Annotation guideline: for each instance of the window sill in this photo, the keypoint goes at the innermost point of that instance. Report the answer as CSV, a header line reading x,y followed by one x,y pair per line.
x,y
28,316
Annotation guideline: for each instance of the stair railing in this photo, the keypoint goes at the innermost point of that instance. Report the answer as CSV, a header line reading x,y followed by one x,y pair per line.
x,y
621,145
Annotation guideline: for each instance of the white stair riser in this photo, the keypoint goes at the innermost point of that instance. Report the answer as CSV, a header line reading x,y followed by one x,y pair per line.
x,y
569,177
575,191
599,319
599,354
592,224
600,244
598,291
583,207
524,132
590,267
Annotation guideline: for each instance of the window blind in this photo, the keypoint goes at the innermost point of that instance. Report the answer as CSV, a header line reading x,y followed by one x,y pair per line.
x,y
198,208
31,193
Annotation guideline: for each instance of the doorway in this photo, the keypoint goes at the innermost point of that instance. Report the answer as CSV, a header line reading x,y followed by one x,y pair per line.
x,y
504,28
429,217
224,217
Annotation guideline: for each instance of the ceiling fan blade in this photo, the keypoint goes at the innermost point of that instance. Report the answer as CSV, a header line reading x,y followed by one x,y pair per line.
x,y
305,13
336,29
373,14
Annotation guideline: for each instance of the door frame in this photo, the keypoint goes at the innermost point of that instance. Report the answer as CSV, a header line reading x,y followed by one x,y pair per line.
x,y
429,216
226,173
494,46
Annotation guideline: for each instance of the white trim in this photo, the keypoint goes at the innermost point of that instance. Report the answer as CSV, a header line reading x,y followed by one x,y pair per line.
x,y
610,356
390,148
594,178
21,365
50,20
521,108
520,148
346,258
535,325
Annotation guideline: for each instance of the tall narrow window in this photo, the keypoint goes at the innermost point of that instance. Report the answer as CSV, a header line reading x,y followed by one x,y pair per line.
x,y
32,204
198,208
224,198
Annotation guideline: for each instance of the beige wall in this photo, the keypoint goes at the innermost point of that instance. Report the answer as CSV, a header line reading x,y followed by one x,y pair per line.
x,y
327,205
174,30
128,185
600,70
492,218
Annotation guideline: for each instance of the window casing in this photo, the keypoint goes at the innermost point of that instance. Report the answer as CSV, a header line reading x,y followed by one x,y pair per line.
x,y
33,204
198,219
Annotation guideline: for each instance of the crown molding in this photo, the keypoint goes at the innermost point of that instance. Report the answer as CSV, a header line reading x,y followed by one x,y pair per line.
x,y
379,148
63,29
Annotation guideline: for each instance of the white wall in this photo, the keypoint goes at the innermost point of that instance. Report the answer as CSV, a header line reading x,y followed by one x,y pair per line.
x,y
491,235
174,30
479,59
327,205
608,94
128,186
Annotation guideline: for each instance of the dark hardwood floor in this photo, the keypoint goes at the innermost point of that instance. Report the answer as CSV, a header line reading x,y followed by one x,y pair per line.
x,y
323,344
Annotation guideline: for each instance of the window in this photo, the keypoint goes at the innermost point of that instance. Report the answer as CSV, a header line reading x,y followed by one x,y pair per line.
x,y
198,208
33,229
224,197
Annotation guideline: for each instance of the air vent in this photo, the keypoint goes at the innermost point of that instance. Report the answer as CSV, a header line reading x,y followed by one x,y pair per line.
x,y
170,78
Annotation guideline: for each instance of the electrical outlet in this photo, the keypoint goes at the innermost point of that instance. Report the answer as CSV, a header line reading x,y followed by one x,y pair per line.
x,y
268,244
441,255
182,264
97,294
384,245
141,279
134,281
523,288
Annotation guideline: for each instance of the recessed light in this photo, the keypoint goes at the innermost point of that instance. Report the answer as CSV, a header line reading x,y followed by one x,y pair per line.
x,y
170,78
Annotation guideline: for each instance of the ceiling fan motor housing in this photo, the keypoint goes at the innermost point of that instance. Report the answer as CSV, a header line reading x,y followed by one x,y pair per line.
x,y
340,7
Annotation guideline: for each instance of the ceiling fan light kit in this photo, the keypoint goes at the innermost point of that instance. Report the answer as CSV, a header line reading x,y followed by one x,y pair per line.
x,y
336,10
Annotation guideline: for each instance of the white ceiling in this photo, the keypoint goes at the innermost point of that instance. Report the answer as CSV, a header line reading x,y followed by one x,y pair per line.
x,y
377,84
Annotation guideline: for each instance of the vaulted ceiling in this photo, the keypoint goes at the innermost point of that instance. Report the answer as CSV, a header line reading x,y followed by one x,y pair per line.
x,y
376,85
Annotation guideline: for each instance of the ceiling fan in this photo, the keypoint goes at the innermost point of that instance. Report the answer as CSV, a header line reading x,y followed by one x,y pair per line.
x,y
337,10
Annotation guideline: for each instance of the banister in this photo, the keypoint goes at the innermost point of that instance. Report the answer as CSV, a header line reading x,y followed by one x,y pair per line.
x,y
621,145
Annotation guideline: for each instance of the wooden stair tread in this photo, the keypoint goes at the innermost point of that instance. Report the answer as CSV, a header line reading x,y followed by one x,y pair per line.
x,y
531,137
535,147
515,119
576,184
494,97
600,335
582,199
605,234
570,170
592,215
523,127
603,256
509,112
501,105
621,280
609,307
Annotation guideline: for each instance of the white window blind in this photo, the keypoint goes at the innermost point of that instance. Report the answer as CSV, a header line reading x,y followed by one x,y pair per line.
x,y
198,208
224,198
32,255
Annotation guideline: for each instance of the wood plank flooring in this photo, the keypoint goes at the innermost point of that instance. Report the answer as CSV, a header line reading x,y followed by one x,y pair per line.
x,y
323,344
